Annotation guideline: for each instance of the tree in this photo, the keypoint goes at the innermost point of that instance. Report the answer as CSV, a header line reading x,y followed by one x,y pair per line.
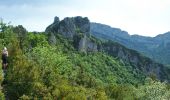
x,y
153,90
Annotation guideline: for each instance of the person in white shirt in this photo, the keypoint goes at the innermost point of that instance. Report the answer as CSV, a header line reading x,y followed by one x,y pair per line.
x,y
4,58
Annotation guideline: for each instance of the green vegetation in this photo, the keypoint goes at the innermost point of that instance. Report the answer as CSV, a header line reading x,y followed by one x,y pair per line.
x,y
40,71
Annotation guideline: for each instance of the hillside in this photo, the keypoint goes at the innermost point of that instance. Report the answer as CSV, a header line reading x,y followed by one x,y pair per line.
x,y
79,32
156,48
66,63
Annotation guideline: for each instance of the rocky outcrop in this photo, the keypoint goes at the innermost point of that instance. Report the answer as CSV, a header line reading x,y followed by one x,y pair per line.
x,y
69,26
72,28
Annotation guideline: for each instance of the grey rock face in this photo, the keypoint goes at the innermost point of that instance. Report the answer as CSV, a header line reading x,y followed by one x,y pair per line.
x,y
83,24
69,26
86,45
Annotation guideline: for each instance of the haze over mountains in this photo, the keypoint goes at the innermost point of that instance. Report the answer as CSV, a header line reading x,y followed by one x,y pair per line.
x,y
157,48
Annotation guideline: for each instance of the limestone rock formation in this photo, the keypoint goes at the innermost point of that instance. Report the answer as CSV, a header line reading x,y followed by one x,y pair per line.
x,y
71,28
86,44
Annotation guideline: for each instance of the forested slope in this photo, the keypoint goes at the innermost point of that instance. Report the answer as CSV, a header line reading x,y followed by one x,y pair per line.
x,y
41,69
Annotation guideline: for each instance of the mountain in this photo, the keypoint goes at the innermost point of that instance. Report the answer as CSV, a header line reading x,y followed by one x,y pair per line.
x,y
156,48
67,63
78,29
75,28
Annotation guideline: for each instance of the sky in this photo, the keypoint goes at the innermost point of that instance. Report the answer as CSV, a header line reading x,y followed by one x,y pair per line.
x,y
142,17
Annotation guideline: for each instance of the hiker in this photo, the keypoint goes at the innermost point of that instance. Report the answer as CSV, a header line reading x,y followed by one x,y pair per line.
x,y
4,58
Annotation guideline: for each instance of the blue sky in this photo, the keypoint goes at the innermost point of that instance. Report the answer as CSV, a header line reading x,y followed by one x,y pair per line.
x,y
143,17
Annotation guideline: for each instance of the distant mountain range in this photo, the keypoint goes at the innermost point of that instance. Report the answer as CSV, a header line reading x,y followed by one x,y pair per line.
x,y
157,48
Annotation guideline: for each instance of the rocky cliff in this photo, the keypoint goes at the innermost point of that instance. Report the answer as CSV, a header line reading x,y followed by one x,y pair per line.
x,y
76,28
138,61
69,26
156,48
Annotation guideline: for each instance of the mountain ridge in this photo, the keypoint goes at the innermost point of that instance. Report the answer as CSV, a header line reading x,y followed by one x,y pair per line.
x,y
83,41
152,47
